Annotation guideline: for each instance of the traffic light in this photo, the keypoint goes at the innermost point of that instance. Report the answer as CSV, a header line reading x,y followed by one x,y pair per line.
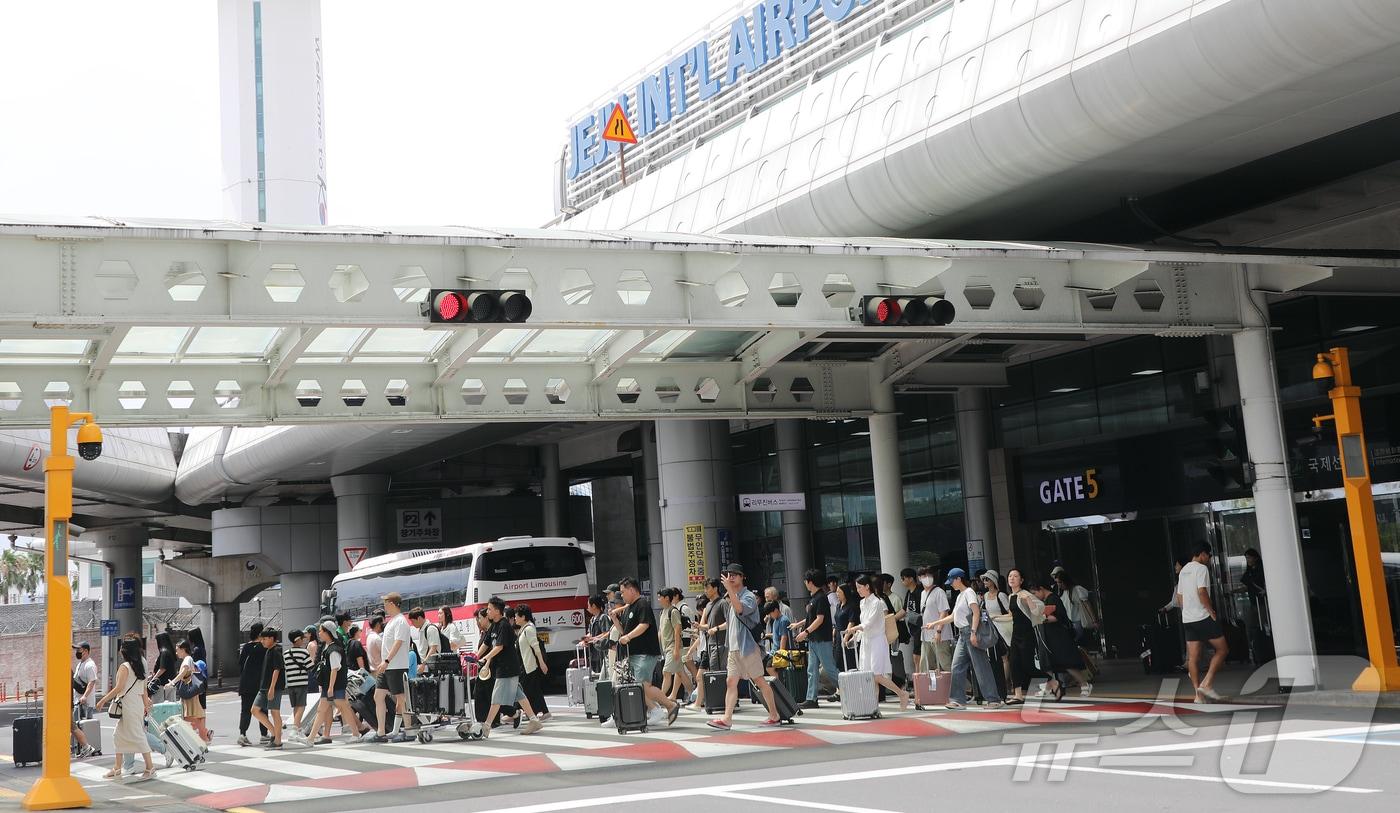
x,y
905,310
477,306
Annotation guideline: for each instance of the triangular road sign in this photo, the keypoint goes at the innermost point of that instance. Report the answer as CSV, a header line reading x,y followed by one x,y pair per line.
x,y
619,129
353,556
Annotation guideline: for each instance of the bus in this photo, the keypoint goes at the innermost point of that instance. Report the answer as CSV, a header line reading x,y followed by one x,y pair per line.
x,y
548,573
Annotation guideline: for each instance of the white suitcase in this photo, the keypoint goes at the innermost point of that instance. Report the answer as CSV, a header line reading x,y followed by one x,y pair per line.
x,y
452,695
181,739
92,730
859,698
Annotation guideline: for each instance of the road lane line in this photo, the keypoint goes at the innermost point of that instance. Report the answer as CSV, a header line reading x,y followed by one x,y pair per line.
x,y
748,797
1215,779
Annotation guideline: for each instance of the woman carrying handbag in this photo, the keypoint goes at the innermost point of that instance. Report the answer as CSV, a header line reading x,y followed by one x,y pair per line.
x,y
129,707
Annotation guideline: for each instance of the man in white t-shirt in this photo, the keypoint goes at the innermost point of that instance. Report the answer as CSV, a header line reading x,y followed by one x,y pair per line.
x,y
1199,619
393,669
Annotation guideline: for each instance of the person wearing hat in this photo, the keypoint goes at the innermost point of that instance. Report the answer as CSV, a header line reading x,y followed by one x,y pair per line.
x,y
745,660
966,618
995,602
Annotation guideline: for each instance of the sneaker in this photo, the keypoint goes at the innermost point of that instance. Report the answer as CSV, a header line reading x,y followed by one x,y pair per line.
x,y
264,740
273,746
1086,689
368,736
398,738
810,704
327,740
532,726
380,739
546,717
243,741
86,751
604,723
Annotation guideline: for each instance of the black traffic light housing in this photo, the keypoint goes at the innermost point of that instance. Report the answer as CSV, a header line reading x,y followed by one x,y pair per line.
x,y
470,305
905,310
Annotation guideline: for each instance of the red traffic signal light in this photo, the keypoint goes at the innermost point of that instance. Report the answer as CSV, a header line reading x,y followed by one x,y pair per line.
x,y
477,306
906,310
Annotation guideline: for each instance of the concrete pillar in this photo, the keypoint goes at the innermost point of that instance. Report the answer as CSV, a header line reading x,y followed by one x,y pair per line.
x,y
223,646
889,485
301,598
121,547
359,515
973,423
651,496
552,490
792,479
1274,512
697,486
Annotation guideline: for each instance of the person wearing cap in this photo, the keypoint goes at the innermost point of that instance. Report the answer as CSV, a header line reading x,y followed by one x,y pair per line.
x,y
745,661
966,618
298,662
995,602
84,679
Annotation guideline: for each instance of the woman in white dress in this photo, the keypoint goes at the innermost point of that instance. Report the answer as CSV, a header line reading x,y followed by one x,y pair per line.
x,y
870,633
130,688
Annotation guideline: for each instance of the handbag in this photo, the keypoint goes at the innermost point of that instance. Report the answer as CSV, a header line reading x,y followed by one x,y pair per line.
x,y
891,629
984,637
186,690
1003,624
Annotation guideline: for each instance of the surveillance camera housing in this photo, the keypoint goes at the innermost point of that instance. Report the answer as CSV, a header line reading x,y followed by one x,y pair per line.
x,y
250,564
90,441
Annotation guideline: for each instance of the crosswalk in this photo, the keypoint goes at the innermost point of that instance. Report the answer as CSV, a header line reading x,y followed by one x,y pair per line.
x,y
237,777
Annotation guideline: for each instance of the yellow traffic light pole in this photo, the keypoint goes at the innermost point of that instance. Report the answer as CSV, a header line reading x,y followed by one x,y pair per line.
x,y
1383,675
56,788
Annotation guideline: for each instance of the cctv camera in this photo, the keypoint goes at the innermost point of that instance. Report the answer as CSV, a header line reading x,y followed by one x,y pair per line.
x,y
250,564
90,441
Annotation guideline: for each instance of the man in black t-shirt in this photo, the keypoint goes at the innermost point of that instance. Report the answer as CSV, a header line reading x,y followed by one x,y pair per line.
x,y
503,660
816,631
641,643
267,705
911,621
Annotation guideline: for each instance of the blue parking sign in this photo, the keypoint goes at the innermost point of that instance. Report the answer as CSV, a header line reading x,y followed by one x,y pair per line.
x,y
109,628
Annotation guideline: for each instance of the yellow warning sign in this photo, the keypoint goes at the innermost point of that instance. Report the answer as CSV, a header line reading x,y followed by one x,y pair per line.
x,y
695,569
619,129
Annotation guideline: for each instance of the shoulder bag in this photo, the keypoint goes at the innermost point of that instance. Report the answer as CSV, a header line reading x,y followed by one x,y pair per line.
x,y
984,636
1004,625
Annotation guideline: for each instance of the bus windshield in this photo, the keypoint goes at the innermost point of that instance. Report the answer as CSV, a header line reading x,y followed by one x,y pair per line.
x,y
423,584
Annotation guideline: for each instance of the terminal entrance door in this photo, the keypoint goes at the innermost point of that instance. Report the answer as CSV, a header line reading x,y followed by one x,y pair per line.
x,y
1126,566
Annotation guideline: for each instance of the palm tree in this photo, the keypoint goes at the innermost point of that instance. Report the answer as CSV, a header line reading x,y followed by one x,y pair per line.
x,y
10,567
32,574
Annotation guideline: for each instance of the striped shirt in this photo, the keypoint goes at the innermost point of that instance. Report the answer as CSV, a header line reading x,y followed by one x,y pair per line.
x,y
298,663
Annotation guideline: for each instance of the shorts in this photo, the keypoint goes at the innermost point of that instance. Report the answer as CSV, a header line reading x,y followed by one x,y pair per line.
x,y
297,697
338,694
643,667
672,666
1207,629
506,691
266,702
395,681
748,667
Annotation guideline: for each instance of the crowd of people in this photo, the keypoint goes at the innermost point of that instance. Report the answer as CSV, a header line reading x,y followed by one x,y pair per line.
x,y
996,637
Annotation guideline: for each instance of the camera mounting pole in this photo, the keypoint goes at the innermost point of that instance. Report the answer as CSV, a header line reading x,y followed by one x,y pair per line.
x,y
56,788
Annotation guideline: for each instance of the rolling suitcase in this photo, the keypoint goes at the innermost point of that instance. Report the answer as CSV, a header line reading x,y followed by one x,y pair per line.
x,y
160,712
859,700
931,689
598,699
795,679
92,732
576,676
423,695
28,740
630,708
787,710
629,702
715,687
181,740
452,695
1161,646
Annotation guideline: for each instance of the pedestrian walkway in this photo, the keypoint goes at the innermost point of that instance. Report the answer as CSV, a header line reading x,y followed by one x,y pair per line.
x,y
242,777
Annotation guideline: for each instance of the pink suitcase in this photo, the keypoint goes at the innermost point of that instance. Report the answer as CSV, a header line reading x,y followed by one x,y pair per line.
x,y
931,689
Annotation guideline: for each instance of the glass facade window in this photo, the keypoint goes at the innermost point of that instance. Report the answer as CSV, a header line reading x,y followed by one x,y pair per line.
x,y
94,576
148,570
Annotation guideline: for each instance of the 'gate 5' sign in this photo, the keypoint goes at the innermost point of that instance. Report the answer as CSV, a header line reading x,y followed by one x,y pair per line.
x,y
1073,488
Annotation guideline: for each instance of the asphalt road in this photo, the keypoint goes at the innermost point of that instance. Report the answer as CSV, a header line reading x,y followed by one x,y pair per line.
x,y
1112,754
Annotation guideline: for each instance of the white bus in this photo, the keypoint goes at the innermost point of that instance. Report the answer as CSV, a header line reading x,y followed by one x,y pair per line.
x,y
548,573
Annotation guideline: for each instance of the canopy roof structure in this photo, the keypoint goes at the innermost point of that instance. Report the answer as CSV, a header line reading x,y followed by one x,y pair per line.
x,y
179,323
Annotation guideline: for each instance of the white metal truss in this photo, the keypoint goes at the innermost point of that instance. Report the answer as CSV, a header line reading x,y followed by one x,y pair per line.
x,y
177,324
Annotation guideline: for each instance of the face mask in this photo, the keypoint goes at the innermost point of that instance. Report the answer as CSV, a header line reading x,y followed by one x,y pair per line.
x,y
926,581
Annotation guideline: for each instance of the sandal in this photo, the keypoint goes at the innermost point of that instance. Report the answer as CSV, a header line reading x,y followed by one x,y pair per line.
x,y
151,774
112,774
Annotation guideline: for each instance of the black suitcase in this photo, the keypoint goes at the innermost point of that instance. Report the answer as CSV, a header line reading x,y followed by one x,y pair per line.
x,y
423,695
630,708
714,691
28,741
1161,647
782,698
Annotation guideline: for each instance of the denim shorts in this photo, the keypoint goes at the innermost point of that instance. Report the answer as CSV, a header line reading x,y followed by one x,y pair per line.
x,y
506,691
643,667
268,702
